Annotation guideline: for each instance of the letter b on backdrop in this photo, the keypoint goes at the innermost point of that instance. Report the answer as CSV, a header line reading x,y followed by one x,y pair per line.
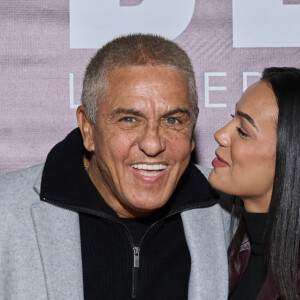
x,y
266,23
95,22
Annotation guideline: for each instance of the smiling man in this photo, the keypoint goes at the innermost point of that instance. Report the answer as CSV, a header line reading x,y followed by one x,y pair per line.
x,y
136,161
122,213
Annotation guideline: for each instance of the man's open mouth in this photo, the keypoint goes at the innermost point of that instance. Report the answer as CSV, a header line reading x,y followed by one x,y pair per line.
x,y
149,170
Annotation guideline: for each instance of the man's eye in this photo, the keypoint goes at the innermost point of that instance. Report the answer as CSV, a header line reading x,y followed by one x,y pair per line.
x,y
128,119
172,121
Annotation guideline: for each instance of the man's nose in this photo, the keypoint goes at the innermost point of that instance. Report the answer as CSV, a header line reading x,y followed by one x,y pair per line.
x,y
152,141
222,136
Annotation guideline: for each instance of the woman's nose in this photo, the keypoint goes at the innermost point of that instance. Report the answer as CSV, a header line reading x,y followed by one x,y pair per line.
x,y
222,136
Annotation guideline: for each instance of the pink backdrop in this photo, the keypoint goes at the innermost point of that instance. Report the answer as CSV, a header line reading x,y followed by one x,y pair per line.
x,y
46,44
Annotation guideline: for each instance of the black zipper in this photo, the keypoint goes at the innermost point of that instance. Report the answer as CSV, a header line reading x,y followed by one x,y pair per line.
x,y
135,270
135,261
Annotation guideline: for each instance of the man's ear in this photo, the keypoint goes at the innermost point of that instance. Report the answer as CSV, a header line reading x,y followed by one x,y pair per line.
x,y
86,127
193,145
196,113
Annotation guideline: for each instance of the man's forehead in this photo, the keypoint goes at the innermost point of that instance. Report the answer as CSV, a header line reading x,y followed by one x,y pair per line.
x,y
148,82
147,70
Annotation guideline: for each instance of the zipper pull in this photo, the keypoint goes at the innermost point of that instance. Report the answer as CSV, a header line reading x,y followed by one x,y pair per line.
x,y
136,257
136,264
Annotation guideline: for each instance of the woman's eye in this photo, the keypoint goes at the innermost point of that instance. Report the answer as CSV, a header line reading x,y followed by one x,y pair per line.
x,y
172,121
241,132
232,115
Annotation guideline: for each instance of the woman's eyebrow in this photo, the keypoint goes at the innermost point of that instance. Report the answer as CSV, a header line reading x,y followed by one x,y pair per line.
x,y
248,118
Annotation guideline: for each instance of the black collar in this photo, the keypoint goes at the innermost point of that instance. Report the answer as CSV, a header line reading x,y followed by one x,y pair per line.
x,y
66,183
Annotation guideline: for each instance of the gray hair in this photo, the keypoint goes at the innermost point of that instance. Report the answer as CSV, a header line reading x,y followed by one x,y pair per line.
x,y
134,50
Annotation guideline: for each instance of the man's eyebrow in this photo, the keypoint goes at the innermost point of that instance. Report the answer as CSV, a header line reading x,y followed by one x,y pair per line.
x,y
248,118
176,111
126,111
139,114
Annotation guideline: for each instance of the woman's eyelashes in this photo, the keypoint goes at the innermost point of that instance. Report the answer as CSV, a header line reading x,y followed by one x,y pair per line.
x,y
239,130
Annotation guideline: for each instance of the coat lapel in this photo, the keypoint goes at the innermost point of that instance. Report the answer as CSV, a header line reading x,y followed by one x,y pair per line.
x,y
205,236
58,236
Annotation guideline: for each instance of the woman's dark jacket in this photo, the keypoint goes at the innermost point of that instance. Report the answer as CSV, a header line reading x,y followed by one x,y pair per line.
x,y
238,267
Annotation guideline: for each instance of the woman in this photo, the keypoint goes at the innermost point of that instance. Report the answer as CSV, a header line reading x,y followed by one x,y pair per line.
x,y
258,160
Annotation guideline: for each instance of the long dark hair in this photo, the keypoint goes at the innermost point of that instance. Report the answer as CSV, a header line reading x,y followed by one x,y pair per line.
x,y
282,233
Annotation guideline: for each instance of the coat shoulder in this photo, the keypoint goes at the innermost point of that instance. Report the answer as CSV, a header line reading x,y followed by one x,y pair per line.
x,y
20,188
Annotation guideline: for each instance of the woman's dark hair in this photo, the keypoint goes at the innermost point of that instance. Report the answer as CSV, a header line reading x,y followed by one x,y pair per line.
x,y
282,233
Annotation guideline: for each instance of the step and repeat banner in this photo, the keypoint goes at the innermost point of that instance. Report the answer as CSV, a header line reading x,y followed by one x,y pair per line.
x,y
45,46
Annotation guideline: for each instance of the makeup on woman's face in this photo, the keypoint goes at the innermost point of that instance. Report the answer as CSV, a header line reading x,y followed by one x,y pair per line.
x,y
245,159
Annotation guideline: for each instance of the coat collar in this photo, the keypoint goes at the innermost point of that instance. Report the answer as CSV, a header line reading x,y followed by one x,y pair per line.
x,y
205,236
58,238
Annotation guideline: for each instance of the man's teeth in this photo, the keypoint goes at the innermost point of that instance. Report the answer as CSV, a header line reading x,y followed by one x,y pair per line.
x,y
147,170
149,167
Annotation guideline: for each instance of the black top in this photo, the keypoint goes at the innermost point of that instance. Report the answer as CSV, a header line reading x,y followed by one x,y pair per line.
x,y
145,258
255,274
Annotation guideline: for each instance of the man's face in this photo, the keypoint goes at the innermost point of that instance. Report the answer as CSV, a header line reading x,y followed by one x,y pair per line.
x,y
142,139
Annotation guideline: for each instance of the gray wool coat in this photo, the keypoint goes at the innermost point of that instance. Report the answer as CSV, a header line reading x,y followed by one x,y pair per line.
x,y
40,253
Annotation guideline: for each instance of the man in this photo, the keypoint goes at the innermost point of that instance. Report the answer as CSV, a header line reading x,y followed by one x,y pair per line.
x,y
118,210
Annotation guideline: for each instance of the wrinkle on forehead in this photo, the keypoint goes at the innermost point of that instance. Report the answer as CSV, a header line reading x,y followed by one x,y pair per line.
x,y
155,89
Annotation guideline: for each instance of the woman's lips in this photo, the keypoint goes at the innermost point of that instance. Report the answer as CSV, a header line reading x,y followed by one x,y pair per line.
x,y
218,162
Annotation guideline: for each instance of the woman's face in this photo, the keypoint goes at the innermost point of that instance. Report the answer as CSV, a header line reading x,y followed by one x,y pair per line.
x,y
245,159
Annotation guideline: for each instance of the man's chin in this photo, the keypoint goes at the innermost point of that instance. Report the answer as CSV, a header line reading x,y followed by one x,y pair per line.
x,y
144,206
